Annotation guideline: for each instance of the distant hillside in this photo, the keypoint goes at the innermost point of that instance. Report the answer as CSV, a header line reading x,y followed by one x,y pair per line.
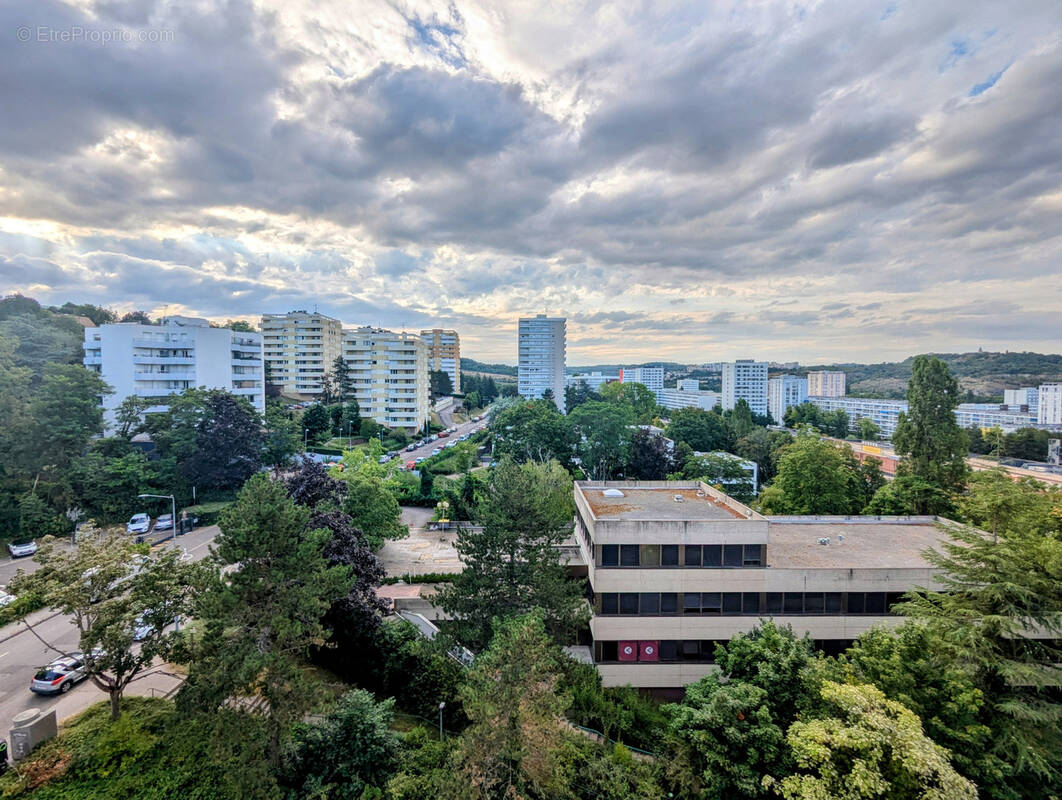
x,y
612,369
982,375
471,365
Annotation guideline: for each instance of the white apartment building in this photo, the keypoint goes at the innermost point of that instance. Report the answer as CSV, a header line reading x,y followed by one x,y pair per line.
x,y
444,354
993,415
593,380
783,392
826,384
688,385
300,347
675,399
540,357
1026,396
676,567
157,361
389,376
651,377
746,380
1049,404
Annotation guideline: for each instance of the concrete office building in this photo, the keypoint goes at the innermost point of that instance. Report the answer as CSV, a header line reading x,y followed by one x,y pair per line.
x,y
826,384
540,357
300,347
783,392
389,376
676,567
158,361
593,380
674,399
1049,404
745,380
651,377
444,354
1028,396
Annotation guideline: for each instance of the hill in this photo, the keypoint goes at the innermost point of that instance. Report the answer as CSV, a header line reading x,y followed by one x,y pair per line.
x,y
483,368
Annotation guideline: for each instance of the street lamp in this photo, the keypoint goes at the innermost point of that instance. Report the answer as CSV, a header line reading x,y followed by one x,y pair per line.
x,y
173,523
441,707
305,433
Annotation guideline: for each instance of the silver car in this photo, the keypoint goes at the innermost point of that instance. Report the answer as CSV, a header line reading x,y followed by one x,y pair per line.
x,y
60,676
139,523
164,522
22,549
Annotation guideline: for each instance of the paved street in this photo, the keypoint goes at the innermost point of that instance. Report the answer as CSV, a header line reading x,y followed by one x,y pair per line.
x,y
425,451
21,653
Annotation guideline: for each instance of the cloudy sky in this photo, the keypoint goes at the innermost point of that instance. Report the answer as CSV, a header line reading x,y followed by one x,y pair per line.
x,y
822,181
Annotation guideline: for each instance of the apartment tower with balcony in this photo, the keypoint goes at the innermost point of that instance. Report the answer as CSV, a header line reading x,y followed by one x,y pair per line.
x,y
389,376
444,354
300,348
540,357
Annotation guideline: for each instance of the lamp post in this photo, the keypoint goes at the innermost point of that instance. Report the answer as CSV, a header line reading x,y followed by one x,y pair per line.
x,y
441,707
305,433
173,525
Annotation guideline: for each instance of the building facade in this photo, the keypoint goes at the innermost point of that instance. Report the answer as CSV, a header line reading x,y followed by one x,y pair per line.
x,y
688,384
444,354
389,376
883,413
783,392
674,399
1028,396
540,357
745,380
677,567
826,384
300,348
650,377
593,380
158,361
1049,404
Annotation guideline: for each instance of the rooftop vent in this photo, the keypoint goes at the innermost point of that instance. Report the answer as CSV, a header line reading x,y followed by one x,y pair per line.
x,y
700,493
678,498
612,493
824,540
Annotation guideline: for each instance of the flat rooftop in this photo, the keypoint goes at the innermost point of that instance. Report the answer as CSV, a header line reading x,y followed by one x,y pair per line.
x,y
656,504
873,544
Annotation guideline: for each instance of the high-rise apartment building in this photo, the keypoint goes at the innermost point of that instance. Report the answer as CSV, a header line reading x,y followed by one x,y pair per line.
x,y
1049,410
1026,396
158,361
540,357
826,384
389,376
746,380
444,354
651,377
783,392
300,347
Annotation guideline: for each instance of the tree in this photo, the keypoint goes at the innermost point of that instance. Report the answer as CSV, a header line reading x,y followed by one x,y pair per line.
x,y
344,386
229,441
739,419
136,316
104,586
512,564
932,443
282,439
722,470
815,476
532,431
373,509
66,413
335,414
909,494
635,396
129,416
602,432
512,698
835,423
1028,443
577,394
267,612
239,326
440,384
648,457
764,447
871,747
347,753
704,431
868,430
316,422
547,397
107,485
98,314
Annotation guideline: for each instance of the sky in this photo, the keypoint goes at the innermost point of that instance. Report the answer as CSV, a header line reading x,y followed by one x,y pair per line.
x,y
812,181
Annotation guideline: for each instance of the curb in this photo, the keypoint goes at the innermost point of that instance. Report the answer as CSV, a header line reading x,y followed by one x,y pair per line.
x,y
24,630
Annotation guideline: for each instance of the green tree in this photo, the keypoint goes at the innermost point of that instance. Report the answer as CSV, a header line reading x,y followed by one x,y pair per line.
x,y
704,431
648,457
1028,443
260,621
739,419
815,476
373,509
129,416
577,394
764,447
909,494
932,443
316,423
106,485
66,413
602,432
136,316
532,431
512,564
341,380
835,423
440,384
869,431
871,747
282,435
635,396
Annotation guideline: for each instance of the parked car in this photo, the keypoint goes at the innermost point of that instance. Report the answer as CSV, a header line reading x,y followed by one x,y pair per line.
x,y
420,460
436,451
5,598
142,628
443,434
59,676
22,549
410,448
410,465
138,523
164,522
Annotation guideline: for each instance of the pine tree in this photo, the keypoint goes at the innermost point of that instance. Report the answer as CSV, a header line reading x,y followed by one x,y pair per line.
x,y
343,385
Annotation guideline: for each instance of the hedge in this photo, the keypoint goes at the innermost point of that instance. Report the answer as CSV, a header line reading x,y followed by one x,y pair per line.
x,y
427,577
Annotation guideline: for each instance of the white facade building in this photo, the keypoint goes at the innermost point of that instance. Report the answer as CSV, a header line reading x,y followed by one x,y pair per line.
x,y
157,361
389,376
540,357
746,380
883,413
826,384
444,354
783,392
1049,410
675,399
300,347
993,415
688,385
650,377
1026,396
593,380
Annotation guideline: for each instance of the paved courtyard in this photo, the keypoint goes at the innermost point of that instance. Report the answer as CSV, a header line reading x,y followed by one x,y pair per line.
x,y
423,551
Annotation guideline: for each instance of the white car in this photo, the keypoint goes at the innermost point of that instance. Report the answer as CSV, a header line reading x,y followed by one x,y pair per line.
x,y
22,549
436,451
59,676
138,523
5,598
164,522
142,629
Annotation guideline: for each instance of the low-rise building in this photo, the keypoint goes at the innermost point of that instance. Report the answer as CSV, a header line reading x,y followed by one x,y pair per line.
x,y
883,413
783,392
674,399
389,376
593,380
676,567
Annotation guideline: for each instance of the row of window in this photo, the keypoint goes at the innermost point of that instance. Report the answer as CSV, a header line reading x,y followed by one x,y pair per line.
x,y
739,603
719,556
693,650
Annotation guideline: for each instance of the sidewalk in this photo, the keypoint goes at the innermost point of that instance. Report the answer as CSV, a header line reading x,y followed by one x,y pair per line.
x,y
159,681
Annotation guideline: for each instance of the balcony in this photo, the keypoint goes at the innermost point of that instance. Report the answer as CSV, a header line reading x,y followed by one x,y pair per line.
x,y
176,360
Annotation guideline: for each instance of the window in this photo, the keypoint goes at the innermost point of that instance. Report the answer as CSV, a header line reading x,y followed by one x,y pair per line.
x,y
753,555
669,651
875,602
732,555
669,555
711,602
669,603
609,651
774,602
833,602
691,603
609,603
610,555
814,603
750,603
891,599
629,555
690,650
713,555
856,603
693,555
650,555
650,603
794,603
628,602
731,602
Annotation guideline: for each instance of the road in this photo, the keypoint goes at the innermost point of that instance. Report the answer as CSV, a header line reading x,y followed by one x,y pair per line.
x,y
425,451
21,653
